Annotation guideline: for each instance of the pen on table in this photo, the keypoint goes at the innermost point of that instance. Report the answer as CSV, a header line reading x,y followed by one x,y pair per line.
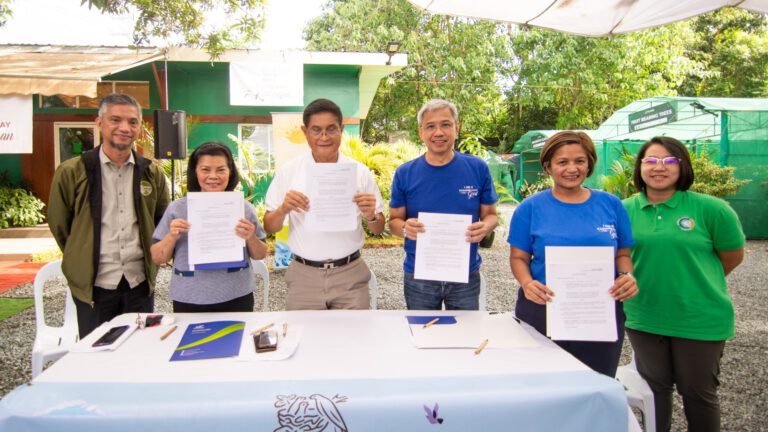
x,y
168,333
285,329
431,322
481,347
259,330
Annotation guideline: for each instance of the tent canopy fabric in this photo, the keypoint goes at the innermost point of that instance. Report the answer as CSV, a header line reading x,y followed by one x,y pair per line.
x,y
586,17
73,71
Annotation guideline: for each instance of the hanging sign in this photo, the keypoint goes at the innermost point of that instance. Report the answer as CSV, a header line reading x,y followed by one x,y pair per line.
x,y
653,116
266,84
15,124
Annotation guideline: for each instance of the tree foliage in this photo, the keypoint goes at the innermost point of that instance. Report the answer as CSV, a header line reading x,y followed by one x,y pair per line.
x,y
731,51
185,22
5,11
448,57
563,81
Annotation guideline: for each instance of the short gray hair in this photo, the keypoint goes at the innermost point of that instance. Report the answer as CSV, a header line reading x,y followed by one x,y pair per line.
x,y
438,104
117,99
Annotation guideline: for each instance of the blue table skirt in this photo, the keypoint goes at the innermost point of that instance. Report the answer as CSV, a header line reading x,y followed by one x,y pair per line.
x,y
565,401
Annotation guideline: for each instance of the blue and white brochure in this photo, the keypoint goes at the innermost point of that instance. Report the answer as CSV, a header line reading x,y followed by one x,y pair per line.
x,y
215,339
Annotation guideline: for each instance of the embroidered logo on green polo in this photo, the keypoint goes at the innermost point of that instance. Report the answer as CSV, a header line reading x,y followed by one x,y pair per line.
x,y
685,223
146,188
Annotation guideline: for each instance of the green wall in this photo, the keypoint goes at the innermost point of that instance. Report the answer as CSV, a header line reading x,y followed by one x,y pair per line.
x,y
12,164
202,88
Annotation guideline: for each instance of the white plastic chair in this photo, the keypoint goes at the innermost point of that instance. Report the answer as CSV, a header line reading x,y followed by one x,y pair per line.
x,y
51,343
261,268
639,394
374,290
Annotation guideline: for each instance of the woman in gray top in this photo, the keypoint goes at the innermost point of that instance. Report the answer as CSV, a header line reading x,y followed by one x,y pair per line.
x,y
211,168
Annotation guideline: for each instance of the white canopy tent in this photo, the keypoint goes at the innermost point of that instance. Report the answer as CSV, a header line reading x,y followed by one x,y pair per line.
x,y
585,17
73,71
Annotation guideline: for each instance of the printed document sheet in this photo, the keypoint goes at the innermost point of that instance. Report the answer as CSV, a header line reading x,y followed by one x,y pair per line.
x,y
212,217
331,189
442,251
582,308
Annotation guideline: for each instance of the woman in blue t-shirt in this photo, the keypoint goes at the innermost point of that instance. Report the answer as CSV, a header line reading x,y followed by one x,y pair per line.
x,y
570,214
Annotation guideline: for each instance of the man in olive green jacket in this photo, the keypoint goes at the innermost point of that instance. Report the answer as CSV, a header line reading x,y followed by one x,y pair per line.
x,y
102,210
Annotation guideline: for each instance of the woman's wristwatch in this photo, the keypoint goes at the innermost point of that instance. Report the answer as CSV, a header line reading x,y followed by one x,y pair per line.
x,y
626,273
374,220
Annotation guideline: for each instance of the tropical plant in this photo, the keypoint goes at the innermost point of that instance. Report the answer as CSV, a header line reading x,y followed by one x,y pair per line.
x,y
383,160
19,207
251,175
504,194
528,189
621,182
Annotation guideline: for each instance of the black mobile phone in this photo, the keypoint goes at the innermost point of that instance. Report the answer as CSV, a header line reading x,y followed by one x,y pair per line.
x,y
111,336
265,341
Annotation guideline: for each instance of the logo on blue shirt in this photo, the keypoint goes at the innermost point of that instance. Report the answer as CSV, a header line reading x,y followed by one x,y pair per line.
x,y
469,191
608,228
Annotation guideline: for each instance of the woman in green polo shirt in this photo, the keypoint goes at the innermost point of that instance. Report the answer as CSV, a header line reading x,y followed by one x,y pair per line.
x,y
686,243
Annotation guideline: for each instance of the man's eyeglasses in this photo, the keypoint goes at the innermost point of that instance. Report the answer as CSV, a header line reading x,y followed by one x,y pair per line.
x,y
650,160
331,131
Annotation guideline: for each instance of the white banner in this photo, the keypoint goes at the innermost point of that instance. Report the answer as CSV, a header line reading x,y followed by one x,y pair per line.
x,y
15,124
266,84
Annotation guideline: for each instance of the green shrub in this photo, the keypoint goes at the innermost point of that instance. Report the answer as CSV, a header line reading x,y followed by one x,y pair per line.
x,y
708,177
19,208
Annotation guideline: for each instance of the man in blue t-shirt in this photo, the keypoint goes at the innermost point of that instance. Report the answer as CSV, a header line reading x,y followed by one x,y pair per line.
x,y
442,181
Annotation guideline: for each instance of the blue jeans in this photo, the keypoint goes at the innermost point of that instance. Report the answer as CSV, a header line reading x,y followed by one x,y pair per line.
x,y
429,295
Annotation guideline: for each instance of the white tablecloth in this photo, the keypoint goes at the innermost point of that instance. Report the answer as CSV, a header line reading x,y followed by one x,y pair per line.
x,y
353,370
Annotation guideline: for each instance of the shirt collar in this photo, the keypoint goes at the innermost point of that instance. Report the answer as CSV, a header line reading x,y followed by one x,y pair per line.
x,y
672,202
104,159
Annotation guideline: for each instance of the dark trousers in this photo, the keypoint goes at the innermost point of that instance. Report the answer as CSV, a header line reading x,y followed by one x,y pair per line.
x,y
108,303
692,365
240,304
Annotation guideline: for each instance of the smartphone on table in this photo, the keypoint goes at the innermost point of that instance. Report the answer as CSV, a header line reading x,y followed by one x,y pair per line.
x,y
110,336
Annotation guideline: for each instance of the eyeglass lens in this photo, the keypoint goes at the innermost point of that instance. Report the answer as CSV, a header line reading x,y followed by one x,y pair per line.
x,y
664,161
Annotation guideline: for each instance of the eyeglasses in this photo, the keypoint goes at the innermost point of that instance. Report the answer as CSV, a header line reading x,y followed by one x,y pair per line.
x,y
650,160
331,131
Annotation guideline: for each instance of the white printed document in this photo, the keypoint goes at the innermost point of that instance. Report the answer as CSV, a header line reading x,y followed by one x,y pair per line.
x,y
212,218
331,189
442,251
582,308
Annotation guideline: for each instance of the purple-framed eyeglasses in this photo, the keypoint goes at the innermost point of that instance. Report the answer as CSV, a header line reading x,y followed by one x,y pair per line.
x,y
650,160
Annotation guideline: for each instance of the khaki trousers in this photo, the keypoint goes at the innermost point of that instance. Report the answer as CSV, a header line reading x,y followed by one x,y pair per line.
x,y
313,288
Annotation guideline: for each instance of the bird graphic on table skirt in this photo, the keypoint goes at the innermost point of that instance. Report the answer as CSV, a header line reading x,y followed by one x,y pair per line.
x,y
432,417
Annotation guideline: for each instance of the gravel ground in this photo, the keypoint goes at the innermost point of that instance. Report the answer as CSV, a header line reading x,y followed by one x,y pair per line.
x,y
744,377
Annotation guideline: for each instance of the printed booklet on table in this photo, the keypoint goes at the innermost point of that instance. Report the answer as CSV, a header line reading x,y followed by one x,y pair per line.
x,y
215,339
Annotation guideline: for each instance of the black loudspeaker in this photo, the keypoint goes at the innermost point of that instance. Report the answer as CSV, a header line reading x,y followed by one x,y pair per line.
x,y
170,134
